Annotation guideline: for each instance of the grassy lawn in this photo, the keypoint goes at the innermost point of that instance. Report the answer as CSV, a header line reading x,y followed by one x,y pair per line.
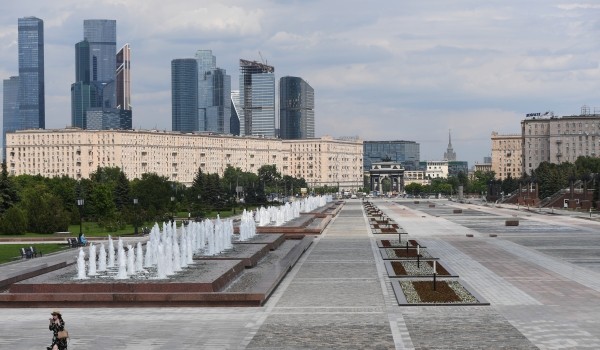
x,y
91,229
10,252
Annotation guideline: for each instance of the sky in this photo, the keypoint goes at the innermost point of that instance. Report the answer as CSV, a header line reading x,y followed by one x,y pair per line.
x,y
382,70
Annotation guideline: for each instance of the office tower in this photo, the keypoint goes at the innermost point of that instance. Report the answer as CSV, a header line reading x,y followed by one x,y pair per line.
x,y
123,76
257,98
236,110
31,73
214,94
184,94
296,109
83,94
102,37
405,152
97,67
10,109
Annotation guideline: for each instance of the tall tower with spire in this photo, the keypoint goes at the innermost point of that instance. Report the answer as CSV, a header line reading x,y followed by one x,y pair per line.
x,y
450,155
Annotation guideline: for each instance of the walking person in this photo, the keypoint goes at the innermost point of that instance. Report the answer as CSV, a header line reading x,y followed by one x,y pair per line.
x,y
57,325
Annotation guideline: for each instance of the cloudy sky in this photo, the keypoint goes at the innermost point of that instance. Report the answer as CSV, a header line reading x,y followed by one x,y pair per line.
x,y
381,70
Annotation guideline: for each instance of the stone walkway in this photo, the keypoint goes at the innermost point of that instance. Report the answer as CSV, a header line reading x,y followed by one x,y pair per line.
x,y
543,294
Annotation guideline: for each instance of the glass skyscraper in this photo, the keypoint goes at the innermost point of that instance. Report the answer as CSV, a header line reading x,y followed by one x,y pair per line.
x,y
296,109
236,111
184,95
102,78
10,109
101,35
214,91
123,76
257,99
31,73
405,152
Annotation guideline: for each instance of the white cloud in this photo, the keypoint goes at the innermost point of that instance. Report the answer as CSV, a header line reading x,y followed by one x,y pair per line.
x,y
400,70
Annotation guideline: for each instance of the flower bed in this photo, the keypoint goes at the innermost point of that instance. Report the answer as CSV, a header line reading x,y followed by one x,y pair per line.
x,y
389,243
404,254
410,268
447,292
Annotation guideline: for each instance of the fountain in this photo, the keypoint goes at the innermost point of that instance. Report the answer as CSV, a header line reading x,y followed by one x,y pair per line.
x,y
92,260
81,265
130,261
121,262
111,252
102,258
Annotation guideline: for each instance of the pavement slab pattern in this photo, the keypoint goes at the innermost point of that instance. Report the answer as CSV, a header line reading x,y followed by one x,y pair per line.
x,y
541,279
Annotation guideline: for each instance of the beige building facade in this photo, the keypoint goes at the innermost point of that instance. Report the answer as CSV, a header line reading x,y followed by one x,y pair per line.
x,y
558,140
507,156
77,153
416,176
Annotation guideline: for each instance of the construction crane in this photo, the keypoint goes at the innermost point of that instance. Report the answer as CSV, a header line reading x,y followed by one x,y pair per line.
x,y
262,60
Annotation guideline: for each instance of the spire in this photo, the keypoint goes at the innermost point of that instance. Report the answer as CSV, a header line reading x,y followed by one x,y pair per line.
x,y
450,154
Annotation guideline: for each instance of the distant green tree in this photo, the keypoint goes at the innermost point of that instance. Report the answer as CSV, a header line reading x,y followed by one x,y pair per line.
x,y
13,222
122,192
44,210
413,188
154,194
8,193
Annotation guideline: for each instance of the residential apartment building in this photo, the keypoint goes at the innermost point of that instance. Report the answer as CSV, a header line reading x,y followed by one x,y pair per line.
x,y
483,167
507,155
178,156
435,168
325,161
416,176
558,140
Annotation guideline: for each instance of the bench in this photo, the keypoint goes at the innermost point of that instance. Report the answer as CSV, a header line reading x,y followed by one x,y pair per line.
x,y
25,253
35,252
73,242
29,252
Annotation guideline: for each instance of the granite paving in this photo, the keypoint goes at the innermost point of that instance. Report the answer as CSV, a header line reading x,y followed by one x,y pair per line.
x,y
541,278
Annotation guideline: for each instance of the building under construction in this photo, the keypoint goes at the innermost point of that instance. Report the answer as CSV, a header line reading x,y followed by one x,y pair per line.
x,y
257,97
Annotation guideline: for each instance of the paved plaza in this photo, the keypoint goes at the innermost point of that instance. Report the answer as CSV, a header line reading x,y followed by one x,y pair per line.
x,y
541,278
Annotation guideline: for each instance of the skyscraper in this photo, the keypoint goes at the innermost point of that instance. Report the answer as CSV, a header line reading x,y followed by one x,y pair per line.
x,y
184,94
236,110
83,94
214,94
97,65
102,37
449,154
31,98
257,98
296,109
10,109
123,76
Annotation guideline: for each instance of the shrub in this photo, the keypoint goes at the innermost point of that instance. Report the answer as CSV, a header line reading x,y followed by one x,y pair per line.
x,y
13,222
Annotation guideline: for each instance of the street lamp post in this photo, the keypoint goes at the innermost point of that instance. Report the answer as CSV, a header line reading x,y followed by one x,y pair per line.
x,y
135,220
172,208
80,203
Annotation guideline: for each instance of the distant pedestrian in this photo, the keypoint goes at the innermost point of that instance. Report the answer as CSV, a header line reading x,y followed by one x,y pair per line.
x,y
57,325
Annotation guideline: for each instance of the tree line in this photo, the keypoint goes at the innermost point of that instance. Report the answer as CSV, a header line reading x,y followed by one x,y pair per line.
x,y
33,203
550,178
